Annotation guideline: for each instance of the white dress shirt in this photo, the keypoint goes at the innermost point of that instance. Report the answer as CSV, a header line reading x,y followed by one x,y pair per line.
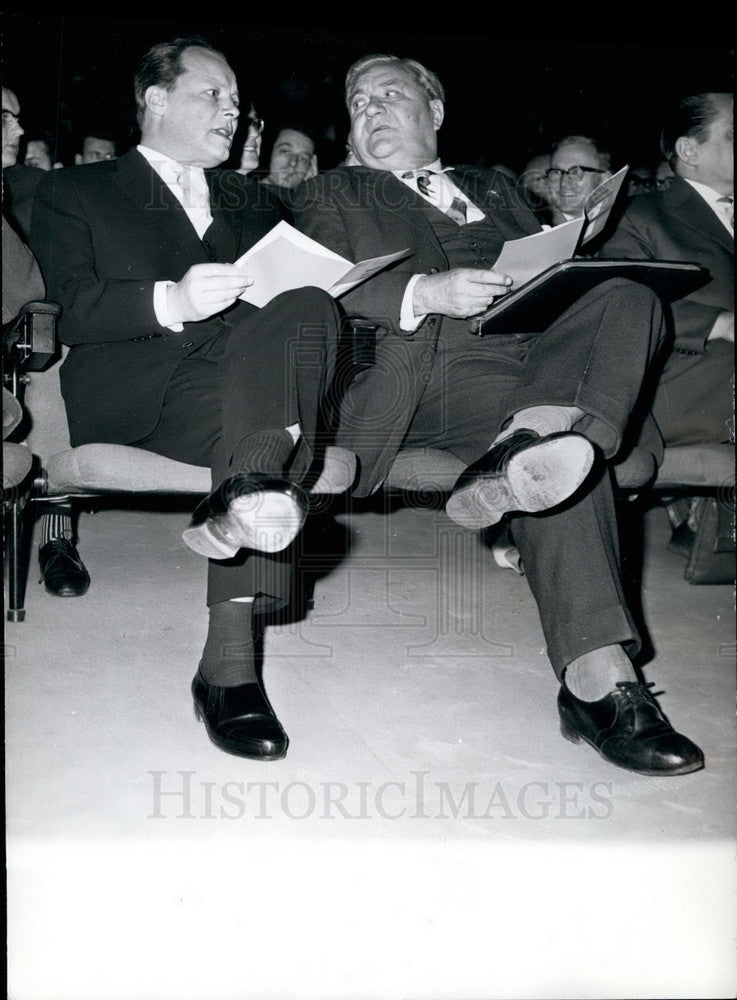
x,y
446,191
189,187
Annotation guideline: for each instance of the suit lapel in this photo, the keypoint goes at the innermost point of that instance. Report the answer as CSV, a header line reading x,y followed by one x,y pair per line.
x,y
227,222
688,205
494,202
139,182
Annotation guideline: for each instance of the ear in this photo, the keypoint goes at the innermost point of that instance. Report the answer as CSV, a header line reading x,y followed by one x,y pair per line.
x,y
156,99
437,110
687,149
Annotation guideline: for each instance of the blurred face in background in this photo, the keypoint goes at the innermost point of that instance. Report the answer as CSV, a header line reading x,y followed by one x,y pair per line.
x,y
534,179
94,150
251,153
38,155
292,158
12,130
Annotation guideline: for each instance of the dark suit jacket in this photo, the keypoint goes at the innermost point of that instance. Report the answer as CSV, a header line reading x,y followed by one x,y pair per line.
x,y
22,281
677,224
104,234
360,213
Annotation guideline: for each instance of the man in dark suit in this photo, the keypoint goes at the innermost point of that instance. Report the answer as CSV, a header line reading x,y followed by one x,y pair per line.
x,y
530,414
690,221
163,354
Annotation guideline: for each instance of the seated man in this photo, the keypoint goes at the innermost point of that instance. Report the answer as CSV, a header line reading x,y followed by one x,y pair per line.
x,y
578,164
62,570
534,416
163,355
691,218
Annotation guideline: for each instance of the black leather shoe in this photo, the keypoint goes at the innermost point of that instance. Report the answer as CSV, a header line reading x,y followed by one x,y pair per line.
x,y
239,720
629,729
524,472
250,511
62,571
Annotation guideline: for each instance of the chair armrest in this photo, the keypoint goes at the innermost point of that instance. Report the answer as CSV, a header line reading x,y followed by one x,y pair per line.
x,y
31,341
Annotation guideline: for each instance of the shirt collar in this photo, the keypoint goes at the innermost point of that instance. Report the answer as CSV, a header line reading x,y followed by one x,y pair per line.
x,y
168,169
436,166
706,192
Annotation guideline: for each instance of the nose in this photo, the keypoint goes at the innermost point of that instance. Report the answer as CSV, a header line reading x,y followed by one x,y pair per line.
x,y
231,109
375,106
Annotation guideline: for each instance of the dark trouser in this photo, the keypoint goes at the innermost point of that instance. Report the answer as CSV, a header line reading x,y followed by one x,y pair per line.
x,y
272,372
594,357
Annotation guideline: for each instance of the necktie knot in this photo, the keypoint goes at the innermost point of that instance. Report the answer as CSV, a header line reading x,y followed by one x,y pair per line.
x,y
436,189
726,208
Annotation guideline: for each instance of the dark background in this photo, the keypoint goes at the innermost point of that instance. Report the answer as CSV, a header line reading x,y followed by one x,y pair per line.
x,y
508,96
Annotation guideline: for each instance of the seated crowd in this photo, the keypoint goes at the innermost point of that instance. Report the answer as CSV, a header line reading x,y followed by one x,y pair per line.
x,y
180,363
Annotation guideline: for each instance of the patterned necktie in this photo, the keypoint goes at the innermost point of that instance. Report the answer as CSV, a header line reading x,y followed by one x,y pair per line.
x,y
457,208
726,209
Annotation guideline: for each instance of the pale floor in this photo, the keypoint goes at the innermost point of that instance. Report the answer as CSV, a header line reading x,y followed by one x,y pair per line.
x,y
429,835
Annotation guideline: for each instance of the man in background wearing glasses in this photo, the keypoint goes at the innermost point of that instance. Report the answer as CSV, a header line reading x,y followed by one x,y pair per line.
x,y
577,166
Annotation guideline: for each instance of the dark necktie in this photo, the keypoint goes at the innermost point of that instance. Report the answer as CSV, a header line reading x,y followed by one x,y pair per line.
x,y
726,207
457,209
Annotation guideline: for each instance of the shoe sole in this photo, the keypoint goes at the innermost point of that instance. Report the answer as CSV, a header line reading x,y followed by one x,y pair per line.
x,y
569,732
537,479
264,521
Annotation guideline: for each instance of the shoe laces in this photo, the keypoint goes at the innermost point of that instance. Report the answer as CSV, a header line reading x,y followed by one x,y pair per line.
x,y
63,549
637,693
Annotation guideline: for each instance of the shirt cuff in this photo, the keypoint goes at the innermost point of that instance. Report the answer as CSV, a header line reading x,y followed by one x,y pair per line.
x,y
407,319
161,307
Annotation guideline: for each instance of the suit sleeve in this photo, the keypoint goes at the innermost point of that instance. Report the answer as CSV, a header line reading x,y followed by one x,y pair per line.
x,y
638,238
341,225
96,307
22,280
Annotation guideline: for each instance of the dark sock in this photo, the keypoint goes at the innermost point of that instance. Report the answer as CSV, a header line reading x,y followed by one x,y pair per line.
x,y
228,658
266,452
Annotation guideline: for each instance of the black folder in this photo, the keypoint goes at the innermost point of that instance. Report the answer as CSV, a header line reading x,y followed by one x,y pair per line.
x,y
540,301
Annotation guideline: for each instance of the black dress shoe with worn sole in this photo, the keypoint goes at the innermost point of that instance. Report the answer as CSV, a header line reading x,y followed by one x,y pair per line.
x,y
525,473
239,720
247,511
62,571
628,729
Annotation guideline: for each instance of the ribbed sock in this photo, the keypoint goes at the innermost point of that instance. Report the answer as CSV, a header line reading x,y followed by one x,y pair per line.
x,y
543,419
266,452
595,674
228,658
56,522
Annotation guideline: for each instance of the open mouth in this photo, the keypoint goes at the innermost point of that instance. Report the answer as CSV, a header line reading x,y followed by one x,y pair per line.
x,y
224,133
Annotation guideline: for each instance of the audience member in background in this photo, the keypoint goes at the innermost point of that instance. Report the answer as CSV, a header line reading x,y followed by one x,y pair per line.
x,y
40,152
94,147
535,406
63,572
640,180
292,158
22,282
19,181
692,220
663,175
534,186
251,152
578,164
